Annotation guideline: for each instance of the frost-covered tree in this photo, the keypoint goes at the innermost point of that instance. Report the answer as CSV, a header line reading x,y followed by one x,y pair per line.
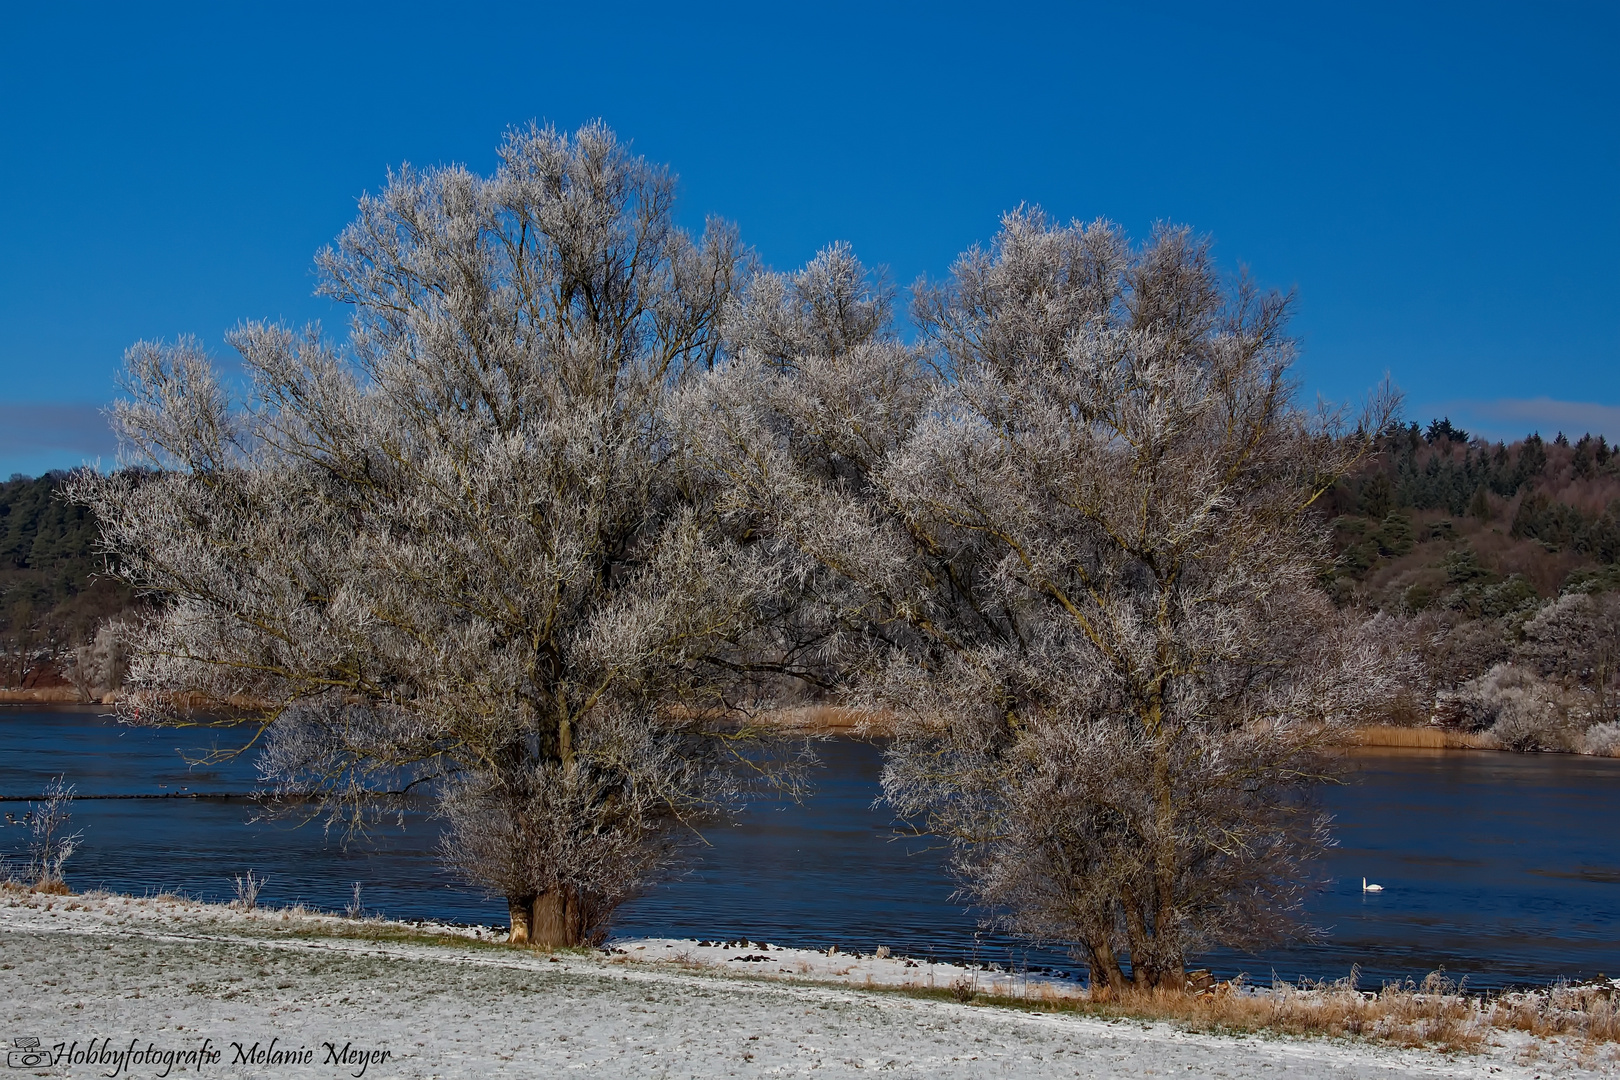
x,y
1070,544
1576,640
97,669
462,548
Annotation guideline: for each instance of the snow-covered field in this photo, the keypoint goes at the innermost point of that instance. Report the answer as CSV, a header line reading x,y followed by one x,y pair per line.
x,y
278,994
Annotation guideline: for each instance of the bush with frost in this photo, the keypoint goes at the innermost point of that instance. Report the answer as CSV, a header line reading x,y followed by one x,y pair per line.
x,y
50,845
1522,710
1575,639
99,668
1602,740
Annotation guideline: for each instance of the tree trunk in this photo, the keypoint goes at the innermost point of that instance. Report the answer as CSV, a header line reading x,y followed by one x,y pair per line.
x,y
556,920
1105,967
1166,966
1136,933
521,909
1171,974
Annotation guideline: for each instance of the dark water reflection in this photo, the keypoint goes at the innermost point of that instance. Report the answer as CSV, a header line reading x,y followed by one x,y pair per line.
x,y
1503,868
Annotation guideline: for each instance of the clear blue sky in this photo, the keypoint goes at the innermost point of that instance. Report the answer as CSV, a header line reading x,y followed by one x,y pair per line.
x,y
1439,182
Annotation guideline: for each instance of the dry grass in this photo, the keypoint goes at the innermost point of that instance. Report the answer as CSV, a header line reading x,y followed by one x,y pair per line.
x,y
1431,1015
830,720
837,720
1435,1014
1422,738
1587,1010
10,882
42,695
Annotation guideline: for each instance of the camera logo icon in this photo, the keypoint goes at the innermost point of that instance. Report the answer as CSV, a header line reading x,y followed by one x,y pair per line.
x,y
26,1053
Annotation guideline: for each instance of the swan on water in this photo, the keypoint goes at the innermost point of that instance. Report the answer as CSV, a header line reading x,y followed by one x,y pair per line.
x,y
1370,888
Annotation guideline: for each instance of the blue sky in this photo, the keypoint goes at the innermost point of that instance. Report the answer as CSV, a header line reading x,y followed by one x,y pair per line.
x,y
1437,181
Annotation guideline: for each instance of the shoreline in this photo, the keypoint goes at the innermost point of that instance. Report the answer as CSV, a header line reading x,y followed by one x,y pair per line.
x,y
828,721
447,1000
43,695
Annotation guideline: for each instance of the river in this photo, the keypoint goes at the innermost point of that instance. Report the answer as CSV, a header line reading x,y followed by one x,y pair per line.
x,y
1504,869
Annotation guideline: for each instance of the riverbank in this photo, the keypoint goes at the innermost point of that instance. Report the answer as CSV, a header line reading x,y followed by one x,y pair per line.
x,y
1389,736
418,1000
1498,866
831,721
835,721
41,695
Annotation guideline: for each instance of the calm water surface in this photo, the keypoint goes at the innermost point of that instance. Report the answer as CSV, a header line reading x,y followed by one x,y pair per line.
x,y
1502,868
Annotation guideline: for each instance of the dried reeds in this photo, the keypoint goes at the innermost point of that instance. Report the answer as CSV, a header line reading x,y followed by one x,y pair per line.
x,y
1588,1010
1436,1013
1423,738
831,720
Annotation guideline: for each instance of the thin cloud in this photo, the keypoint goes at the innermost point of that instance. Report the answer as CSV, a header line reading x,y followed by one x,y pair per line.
x,y
1514,418
29,429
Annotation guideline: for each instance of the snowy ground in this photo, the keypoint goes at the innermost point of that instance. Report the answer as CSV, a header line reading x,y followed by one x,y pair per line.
x,y
182,978
762,960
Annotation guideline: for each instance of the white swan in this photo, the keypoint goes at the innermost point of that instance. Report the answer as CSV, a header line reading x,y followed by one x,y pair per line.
x,y
1370,888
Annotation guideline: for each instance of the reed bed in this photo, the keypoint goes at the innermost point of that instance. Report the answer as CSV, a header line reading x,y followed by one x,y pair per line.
x,y
1423,738
830,720
873,723
44,695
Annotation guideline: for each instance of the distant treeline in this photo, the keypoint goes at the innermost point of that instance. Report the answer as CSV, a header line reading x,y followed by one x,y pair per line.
x,y
52,595
1538,517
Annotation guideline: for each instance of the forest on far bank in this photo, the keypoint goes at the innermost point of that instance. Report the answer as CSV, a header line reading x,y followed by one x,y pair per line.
x,y
1453,546
52,594
1493,569
1439,521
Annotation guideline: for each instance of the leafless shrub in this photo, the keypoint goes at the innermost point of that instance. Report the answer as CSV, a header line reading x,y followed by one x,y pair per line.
x,y
1602,740
1522,710
354,909
1456,649
1405,696
591,833
247,887
49,844
1543,675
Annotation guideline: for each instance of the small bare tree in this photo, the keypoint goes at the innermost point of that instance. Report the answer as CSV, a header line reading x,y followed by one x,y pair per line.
x,y
465,550
1074,550
50,845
